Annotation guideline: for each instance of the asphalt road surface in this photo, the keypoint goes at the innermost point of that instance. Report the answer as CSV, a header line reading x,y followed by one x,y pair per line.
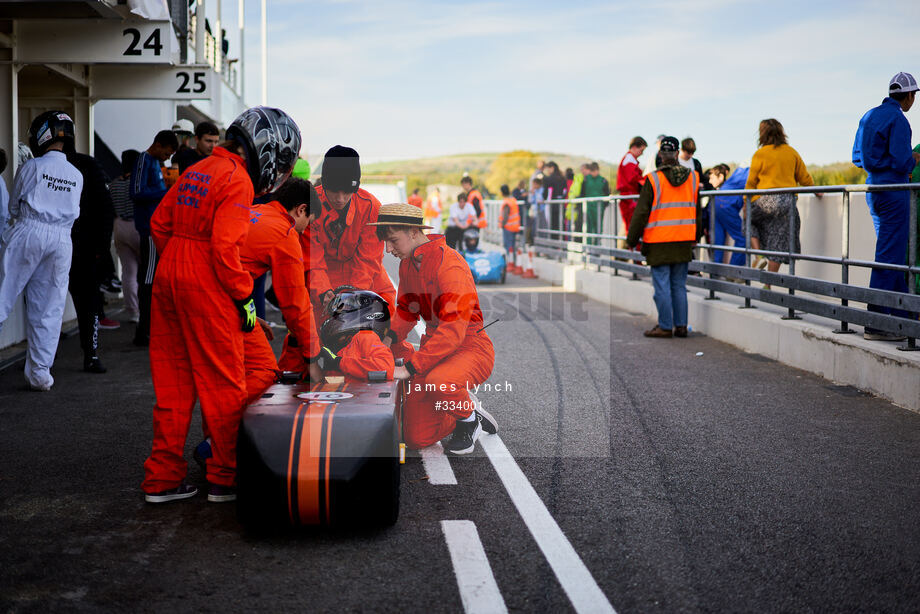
x,y
629,474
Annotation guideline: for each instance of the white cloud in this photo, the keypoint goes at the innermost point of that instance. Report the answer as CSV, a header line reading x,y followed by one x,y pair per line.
x,y
409,78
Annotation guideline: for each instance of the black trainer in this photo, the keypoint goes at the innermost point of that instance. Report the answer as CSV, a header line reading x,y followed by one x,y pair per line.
x,y
489,423
221,494
182,491
93,365
463,439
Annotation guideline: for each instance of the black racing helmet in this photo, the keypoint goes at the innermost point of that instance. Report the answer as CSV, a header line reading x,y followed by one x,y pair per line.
x,y
352,311
51,127
272,142
471,239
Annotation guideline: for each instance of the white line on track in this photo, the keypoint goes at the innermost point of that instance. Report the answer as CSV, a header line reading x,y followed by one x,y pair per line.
x,y
478,589
437,465
576,580
433,458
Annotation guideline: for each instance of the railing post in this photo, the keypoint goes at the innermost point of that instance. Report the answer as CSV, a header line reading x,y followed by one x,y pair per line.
x,y
793,214
912,262
712,252
747,245
844,258
616,233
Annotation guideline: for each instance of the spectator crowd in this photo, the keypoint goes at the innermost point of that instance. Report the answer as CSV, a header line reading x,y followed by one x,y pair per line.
x,y
197,222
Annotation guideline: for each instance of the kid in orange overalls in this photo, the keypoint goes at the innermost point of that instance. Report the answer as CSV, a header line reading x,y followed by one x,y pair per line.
x,y
342,248
435,284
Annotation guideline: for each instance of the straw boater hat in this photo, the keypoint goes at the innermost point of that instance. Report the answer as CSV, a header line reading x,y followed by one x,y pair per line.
x,y
400,214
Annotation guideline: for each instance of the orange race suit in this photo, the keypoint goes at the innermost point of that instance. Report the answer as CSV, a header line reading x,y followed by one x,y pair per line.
x,y
273,244
366,354
196,339
436,285
341,249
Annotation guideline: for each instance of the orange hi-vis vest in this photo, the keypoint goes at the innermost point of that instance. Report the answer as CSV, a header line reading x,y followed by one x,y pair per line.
x,y
673,215
513,223
474,194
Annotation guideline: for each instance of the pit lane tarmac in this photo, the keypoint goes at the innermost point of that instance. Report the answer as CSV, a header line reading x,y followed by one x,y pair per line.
x,y
679,483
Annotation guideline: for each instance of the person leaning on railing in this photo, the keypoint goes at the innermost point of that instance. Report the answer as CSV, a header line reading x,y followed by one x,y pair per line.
x,y
727,210
775,165
882,147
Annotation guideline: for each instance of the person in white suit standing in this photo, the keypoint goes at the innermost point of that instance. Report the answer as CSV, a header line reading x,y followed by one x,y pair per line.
x,y
36,250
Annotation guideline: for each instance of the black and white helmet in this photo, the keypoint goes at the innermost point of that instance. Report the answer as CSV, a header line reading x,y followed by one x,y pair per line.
x,y
352,311
471,239
272,142
51,127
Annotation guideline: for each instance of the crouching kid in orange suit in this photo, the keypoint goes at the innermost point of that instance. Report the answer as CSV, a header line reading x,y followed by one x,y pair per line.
x,y
435,284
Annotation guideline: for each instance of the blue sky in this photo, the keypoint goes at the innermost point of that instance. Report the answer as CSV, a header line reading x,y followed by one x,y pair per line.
x,y
403,78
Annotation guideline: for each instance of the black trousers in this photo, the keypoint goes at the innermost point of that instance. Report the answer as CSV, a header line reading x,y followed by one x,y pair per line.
x,y
87,300
145,273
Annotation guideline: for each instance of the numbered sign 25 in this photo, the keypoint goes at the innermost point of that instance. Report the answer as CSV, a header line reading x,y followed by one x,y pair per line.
x,y
194,82
151,44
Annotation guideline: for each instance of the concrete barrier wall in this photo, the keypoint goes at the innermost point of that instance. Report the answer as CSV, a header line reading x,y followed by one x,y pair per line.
x,y
808,344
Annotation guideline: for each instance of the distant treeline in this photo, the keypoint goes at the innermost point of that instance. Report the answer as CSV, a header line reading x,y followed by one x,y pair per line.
x,y
491,170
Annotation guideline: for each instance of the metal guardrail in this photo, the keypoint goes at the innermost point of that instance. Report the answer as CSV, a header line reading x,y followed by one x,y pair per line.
x,y
565,243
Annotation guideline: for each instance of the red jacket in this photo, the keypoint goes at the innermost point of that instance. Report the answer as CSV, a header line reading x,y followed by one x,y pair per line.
x,y
274,245
436,284
355,256
211,203
629,176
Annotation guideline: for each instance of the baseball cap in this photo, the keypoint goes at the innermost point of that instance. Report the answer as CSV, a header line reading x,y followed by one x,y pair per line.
x,y
183,126
902,82
669,143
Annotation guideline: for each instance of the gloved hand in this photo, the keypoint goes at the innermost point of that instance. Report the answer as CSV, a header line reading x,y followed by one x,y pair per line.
x,y
328,361
247,309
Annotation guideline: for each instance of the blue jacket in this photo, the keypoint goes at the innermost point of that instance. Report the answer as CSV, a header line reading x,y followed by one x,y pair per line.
x,y
147,190
882,144
736,182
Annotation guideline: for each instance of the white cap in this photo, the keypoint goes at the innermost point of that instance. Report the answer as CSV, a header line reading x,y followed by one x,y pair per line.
x,y
183,125
902,82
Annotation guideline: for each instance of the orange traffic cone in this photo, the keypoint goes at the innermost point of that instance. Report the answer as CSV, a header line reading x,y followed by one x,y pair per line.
x,y
517,269
528,265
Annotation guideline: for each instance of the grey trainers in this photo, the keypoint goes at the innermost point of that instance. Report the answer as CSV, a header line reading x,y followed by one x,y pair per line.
x,y
182,491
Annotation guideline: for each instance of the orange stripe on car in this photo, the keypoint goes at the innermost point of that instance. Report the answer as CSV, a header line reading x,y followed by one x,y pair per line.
x,y
291,454
308,478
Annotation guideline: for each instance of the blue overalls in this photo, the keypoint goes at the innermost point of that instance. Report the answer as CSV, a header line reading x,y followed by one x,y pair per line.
x,y
728,217
882,147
